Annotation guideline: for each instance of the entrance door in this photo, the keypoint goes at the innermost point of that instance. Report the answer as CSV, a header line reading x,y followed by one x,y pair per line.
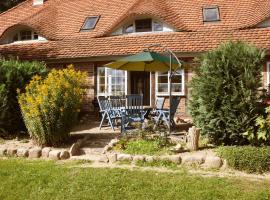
x,y
140,84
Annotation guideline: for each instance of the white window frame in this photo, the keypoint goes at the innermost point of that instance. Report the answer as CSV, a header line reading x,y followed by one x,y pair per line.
x,y
267,73
107,93
182,93
153,21
25,41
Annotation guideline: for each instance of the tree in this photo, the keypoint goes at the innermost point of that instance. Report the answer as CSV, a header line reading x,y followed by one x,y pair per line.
x,y
224,94
7,4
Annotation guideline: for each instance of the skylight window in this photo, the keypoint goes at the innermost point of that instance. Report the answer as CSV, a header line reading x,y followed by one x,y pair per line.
x,y
211,14
90,23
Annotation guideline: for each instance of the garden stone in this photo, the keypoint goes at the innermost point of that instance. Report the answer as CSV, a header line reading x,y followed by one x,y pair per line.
x,y
213,162
64,155
23,152
45,152
34,152
3,151
103,159
113,142
225,165
75,149
174,159
54,154
193,160
11,151
149,159
138,158
107,148
124,157
112,157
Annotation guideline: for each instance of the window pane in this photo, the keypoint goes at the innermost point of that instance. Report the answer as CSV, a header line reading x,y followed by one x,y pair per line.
x,y
163,87
163,79
35,36
26,35
158,26
102,80
101,88
143,25
129,29
211,14
176,87
90,23
101,71
176,79
15,38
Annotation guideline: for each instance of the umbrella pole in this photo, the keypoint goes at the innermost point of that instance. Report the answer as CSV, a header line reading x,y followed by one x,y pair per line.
x,y
170,93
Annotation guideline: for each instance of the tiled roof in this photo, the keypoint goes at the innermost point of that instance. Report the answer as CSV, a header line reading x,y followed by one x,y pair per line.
x,y
60,21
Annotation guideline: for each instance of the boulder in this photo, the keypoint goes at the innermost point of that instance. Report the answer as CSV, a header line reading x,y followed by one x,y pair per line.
x,y
213,162
107,148
191,160
103,159
112,157
75,150
34,152
64,155
150,159
3,151
138,158
124,157
23,152
45,152
113,142
54,154
174,159
11,151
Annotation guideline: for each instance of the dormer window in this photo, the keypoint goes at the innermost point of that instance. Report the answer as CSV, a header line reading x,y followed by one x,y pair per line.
x,y
90,23
25,35
211,14
143,25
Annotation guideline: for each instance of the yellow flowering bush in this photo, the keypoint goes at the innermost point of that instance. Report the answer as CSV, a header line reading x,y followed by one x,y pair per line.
x,y
50,107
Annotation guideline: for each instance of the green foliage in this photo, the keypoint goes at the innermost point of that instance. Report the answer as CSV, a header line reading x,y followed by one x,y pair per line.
x,y
260,134
50,107
157,163
146,146
224,92
14,75
247,158
7,4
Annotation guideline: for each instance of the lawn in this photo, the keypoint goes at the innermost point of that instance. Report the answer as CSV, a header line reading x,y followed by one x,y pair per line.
x,y
22,179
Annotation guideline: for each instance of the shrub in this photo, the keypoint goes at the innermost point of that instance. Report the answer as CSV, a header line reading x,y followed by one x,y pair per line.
x,y
247,158
50,107
260,134
14,74
224,92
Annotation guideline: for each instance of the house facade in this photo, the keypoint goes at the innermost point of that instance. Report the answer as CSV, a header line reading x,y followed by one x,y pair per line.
x,y
91,33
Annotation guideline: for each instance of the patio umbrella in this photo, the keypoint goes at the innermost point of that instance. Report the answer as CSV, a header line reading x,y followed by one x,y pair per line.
x,y
149,61
145,61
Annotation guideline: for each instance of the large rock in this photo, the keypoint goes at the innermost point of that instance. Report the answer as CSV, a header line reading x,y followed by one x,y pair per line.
x,y
23,152
3,151
192,160
150,159
138,158
11,151
64,155
174,159
124,157
45,152
112,157
34,152
107,148
54,154
113,142
213,162
103,159
75,149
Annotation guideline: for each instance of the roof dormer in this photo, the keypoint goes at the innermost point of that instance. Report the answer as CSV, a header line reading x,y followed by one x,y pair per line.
x,y
143,25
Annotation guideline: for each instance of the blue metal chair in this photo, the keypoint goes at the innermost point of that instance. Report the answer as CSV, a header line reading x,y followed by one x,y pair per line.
x,y
133,111
106,112
159,105
163,114
117,104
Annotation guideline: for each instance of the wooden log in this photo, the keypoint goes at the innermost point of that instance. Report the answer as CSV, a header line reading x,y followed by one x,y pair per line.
x,y
193,138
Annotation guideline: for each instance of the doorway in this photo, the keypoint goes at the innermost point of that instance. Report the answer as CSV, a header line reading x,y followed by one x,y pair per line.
x,y
140,84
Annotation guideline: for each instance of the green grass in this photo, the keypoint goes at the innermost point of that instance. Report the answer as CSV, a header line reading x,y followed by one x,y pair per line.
x,y
45,180
146,147
157,163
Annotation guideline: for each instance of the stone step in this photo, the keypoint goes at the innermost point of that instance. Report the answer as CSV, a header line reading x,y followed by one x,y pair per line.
x,y
92,151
